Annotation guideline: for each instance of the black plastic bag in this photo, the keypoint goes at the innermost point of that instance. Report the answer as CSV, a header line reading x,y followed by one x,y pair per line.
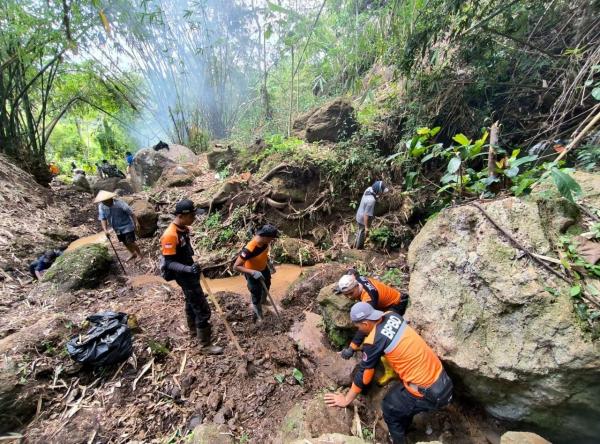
x,y
108,342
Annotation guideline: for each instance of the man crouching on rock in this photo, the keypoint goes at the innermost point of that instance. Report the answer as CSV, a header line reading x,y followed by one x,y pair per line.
x,y
425,385
177,264
253,261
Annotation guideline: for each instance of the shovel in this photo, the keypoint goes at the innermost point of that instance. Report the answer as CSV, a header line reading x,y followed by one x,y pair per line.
x,y
243,369
271,299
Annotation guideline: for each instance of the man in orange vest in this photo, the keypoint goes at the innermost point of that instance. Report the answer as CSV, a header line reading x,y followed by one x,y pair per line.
x,y
253,261
177,263
425,385
380,297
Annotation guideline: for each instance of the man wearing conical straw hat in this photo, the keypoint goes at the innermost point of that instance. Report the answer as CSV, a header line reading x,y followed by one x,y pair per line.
x,y
116,214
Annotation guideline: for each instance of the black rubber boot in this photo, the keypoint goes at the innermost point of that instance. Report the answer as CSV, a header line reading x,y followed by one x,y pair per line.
x,y
191,323
204,334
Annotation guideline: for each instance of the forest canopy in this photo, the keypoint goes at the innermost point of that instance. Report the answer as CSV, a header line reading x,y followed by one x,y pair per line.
x,y
91,79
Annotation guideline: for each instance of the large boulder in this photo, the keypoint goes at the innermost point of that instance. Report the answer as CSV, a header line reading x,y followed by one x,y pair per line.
x,y
84,267
80,182
505,326
311,419
112,184
333,122
149,164
522,438
176,177
335,309
145,214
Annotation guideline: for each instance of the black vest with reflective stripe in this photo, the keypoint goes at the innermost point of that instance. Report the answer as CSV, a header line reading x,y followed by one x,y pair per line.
x,y
370,289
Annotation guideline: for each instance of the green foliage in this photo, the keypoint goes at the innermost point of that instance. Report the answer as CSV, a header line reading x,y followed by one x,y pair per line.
x,y
298,376
393,277
384,238
588,157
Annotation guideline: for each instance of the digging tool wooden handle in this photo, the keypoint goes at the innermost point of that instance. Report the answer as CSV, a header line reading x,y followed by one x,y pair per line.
x,y
222,316
271,299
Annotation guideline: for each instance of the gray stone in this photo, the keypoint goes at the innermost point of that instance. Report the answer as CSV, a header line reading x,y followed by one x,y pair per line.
x,y
148,165
332,438
220,157
145,214
80,183
210,434
484,308
312,419
333,122
522,438
112,184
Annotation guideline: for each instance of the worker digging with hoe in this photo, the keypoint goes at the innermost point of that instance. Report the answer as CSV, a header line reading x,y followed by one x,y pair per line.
x,y
253,261
380,297
425,385
366,211
177,263
116,214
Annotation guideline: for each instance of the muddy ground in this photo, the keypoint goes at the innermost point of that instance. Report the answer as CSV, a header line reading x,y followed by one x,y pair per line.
x,y
169,386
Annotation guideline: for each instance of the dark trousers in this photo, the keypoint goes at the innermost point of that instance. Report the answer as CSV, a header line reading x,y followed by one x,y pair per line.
x,y
197,309
399,406
256,288
400,307
361,235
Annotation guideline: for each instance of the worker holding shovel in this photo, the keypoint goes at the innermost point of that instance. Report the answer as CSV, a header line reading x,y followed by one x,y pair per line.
x,y
177,263
116,214
253,261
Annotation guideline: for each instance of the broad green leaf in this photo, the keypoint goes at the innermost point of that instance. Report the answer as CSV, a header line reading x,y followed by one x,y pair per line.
x,y
454,165
449,178
522,160
522,186
434,131
515,153
423,131
512,172
298,376
567,186
575,291
596,93
418,150
279,378
462,139
428,157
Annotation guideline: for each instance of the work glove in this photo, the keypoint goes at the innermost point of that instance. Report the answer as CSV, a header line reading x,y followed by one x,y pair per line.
x,y
195,269
347,353
257,275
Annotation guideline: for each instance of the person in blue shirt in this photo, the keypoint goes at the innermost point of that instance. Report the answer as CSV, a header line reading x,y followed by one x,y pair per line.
x,y
38,267
129,159
116,214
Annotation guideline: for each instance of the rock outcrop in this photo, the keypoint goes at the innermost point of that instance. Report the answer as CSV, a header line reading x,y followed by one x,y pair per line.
x,y
335,309
294,251
112,184
505,326
84,267
176,177
80,182
220,157
522,438
332,122
148,164
311,419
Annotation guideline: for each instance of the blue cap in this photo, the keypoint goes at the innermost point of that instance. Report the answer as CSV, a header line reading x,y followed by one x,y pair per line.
x,y
362,311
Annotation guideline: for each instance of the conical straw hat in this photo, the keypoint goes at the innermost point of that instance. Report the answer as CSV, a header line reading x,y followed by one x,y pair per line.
x,y
104,195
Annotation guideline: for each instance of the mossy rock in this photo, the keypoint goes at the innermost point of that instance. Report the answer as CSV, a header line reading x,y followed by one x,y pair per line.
x,y
84,267
335,309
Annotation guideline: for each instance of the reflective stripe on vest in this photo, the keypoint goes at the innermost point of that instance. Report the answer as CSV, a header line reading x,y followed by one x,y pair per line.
x,y
397,338
370,289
